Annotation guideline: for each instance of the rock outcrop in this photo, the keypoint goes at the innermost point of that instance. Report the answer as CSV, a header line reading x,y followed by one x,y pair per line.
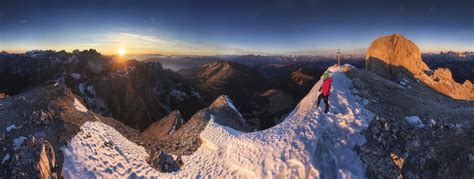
x,y
225,113
395,57
301,78
35,159
166,163
442,81
186,139
462,69
165,127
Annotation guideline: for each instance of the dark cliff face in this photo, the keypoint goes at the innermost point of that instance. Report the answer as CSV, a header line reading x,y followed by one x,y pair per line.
x,y
143,95
18,74
138,95
137,98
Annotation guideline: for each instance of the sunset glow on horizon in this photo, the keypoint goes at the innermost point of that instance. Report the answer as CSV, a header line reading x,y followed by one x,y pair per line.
x,y
121,51
244,27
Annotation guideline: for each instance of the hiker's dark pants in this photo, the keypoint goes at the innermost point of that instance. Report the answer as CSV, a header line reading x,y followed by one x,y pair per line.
x,y
326,101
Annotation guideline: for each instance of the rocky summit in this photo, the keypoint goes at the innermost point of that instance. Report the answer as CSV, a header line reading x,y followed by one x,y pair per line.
x,y
395,57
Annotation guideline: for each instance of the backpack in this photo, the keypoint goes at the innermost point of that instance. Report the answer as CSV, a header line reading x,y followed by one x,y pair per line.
x,y
326,86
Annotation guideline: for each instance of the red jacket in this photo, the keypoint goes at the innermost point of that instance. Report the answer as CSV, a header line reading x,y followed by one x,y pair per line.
x,y
325,89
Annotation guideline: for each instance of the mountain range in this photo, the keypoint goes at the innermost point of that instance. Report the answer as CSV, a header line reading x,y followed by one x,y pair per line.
x,y
86,115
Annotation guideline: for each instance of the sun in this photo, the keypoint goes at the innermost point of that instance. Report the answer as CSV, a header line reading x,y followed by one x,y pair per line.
x,y
122,51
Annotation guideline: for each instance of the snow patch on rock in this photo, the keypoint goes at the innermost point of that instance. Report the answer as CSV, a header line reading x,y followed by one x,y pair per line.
x,y
231,105
82,87
9,128
75,75
91,90
415,121
178,94
196,94
6,158
17,142
79,106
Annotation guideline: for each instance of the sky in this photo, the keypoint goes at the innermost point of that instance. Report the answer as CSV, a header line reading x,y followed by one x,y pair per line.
x,y
224,27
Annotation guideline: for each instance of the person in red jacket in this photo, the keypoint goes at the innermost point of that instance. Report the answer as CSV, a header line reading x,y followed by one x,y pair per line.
x,y
325,90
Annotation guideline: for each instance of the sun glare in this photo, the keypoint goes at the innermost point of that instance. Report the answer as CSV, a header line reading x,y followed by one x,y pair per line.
x,y
121,51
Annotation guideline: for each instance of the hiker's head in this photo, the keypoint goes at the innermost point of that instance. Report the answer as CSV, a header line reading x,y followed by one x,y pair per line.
x,y
325,75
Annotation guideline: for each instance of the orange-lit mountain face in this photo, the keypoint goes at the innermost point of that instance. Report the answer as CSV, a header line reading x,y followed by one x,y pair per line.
x,y
395,57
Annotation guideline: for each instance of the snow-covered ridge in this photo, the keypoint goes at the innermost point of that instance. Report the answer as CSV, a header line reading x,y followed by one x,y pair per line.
x,y
308,143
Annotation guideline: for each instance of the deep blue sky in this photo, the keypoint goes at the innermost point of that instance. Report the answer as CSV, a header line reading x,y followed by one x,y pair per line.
x,y
232,27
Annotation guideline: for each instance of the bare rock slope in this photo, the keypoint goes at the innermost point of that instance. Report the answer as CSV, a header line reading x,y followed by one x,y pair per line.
x,y
166,126
441,148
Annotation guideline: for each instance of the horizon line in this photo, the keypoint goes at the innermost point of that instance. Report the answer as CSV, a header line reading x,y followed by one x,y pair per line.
x,y
315,52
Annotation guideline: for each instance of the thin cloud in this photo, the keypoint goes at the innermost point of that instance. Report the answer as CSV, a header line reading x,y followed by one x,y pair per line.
x,y
148,38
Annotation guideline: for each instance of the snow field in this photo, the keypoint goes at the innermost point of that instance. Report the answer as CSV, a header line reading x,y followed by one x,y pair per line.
x,y
99,151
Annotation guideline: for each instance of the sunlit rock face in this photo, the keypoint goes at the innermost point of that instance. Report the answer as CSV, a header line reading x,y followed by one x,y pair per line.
x,y
395,57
